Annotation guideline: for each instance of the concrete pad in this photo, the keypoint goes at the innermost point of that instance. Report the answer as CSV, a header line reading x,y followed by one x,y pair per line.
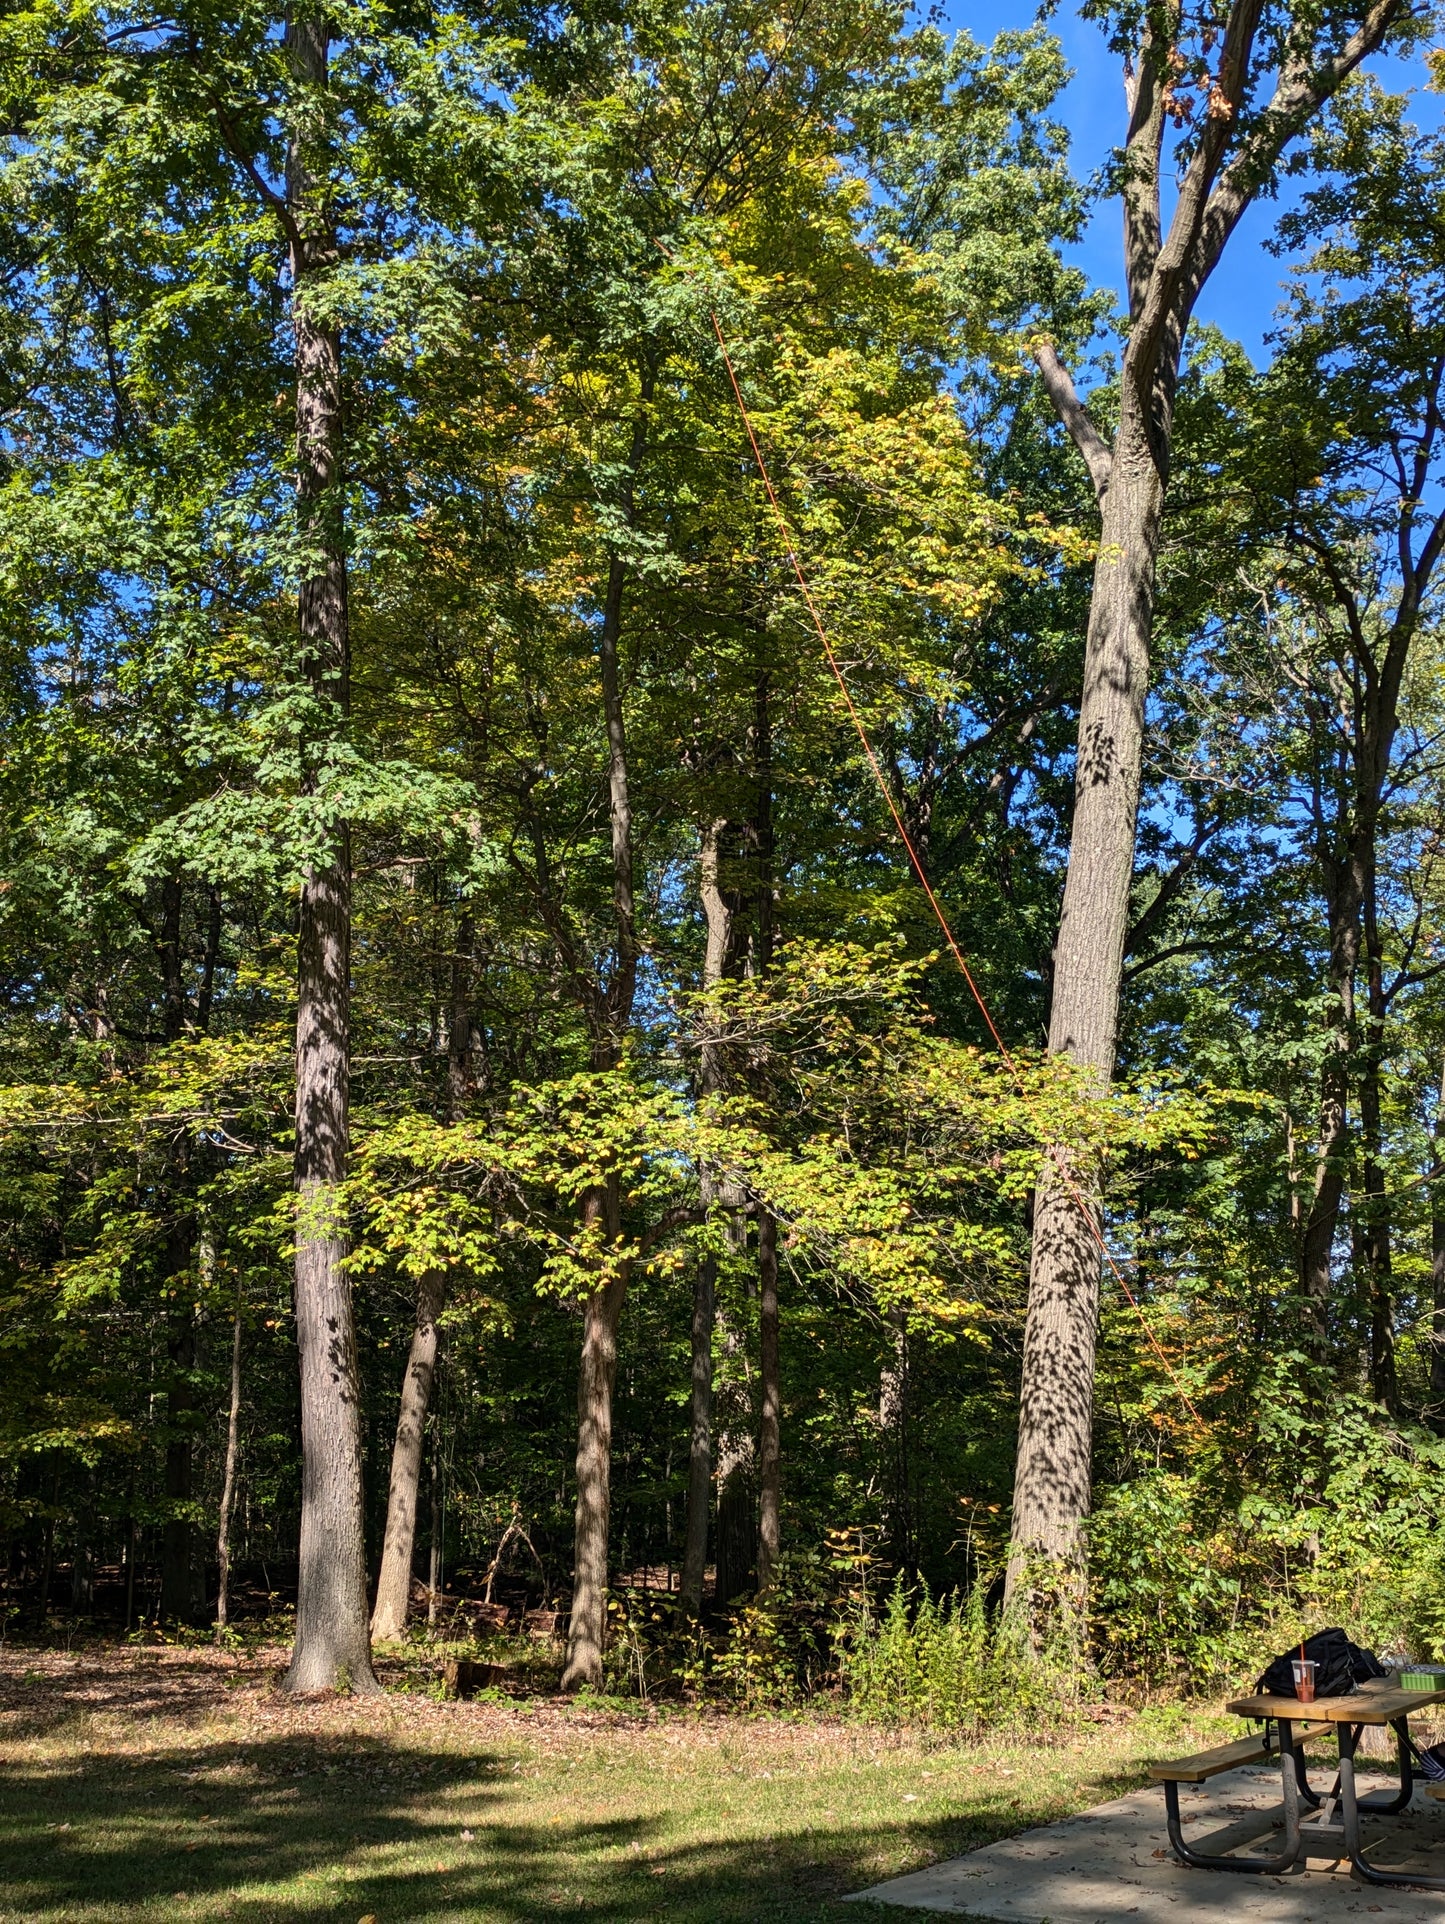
x,y
1115,1863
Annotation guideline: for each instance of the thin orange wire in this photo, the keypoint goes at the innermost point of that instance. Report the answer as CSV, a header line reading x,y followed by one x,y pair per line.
x,y
1053,1148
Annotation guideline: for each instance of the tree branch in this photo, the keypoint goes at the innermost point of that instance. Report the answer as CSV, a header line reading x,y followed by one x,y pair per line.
x,y
1301,89
1059,386
1171,883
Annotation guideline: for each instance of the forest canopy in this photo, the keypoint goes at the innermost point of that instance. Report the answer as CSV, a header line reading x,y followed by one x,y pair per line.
x,y
710,884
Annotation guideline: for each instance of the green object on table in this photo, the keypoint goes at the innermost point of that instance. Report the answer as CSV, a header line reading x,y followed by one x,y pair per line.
x,y
1422,1676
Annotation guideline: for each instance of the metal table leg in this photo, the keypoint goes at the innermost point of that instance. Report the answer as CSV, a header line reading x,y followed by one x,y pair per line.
x,y
1282,1860
1287,1742
1350,1807
1392,1802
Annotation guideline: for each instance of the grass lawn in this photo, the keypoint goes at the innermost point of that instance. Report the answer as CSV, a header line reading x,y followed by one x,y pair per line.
x,y
180,1784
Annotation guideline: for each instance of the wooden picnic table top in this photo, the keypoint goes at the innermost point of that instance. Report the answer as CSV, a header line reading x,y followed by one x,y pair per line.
x,y
1376,1702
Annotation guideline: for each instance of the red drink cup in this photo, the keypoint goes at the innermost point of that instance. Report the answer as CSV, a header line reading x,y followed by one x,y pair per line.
x,y
1304,1679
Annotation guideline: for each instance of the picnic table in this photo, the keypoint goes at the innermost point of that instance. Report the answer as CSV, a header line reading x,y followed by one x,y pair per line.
x,y
1332,1815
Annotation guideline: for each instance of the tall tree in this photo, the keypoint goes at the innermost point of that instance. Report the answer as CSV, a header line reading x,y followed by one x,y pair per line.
x,y
1263,78
332,1636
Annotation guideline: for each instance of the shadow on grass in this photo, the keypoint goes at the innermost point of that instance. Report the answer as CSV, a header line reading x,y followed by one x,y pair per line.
x,y
356,1827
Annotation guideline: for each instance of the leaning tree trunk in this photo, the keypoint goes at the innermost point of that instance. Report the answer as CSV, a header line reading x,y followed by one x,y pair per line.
x,y
393,1588
1053,1477
332,1648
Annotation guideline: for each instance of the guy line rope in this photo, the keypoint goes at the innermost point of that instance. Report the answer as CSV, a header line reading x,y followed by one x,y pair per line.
x,y
1053,1148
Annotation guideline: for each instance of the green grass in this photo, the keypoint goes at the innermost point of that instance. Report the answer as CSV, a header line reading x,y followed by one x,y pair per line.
x,y
181,1785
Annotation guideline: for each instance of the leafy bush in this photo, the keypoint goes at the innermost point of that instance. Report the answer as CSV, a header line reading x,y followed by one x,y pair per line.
x,y
946,1664
1196,1580
765,1654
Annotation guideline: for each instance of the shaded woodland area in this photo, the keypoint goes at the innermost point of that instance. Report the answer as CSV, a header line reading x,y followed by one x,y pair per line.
x,y
493,1137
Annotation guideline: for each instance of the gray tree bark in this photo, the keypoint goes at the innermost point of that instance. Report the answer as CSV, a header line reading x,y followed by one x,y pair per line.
x,y
587,1625
1165,273
1053,1475
597,1367
393,1586
332,1647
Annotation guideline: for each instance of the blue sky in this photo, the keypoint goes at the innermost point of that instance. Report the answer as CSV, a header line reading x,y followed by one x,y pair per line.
x,y
1244,291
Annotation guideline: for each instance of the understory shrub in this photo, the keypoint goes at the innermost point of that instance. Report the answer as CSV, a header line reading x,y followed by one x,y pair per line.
x,y
768,1653
1197,1579
948,1664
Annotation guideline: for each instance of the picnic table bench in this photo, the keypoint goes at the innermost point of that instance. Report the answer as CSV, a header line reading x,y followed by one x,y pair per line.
x,y
1205,1764
1332,1815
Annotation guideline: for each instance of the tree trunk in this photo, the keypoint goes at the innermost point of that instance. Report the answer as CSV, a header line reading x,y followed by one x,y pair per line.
x,y
762,828
1344,890
893,1426
331,1614
332,1648
130,1534
47,1568
595,1377
205,996
177,1559
598,1364
228,1484
736,1518
177,1537
718,915
770,1533
436,1573
393,1588
1053,1475
699,1462
460,1032
770,1393
1384,1378
1437,1266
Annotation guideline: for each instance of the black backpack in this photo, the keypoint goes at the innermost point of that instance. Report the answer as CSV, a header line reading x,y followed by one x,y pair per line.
x,y
1341,1665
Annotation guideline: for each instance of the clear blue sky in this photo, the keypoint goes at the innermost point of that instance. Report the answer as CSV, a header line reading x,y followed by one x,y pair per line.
x,y
1244,291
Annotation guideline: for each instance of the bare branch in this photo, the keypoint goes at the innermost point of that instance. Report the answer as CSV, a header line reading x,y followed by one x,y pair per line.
x,y
1171,883
1059,385
1143,144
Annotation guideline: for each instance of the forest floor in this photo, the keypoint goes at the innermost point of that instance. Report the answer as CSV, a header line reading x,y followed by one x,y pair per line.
x,y
179,1783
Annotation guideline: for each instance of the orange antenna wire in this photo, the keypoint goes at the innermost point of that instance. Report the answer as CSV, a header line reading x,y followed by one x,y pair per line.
x,y
933,902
